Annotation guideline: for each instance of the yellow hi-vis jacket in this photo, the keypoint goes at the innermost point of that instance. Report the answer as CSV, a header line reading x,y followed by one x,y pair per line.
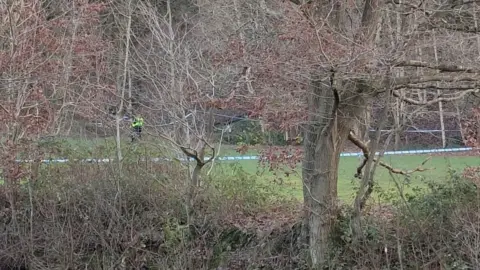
x,y
137,122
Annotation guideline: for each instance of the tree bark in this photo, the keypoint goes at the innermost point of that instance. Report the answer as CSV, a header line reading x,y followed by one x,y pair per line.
x,y
322,193
329,124
325,134
318,192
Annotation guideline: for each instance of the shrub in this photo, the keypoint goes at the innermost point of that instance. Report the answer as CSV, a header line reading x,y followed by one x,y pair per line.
x,y
433,228
81,215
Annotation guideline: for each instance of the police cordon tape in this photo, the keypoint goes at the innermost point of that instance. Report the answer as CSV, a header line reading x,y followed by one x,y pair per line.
x,y
354,154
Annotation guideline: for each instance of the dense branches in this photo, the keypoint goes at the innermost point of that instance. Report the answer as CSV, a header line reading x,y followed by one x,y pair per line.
x,y
317,67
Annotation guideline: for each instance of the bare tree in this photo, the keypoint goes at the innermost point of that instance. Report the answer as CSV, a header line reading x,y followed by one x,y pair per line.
x,y
176,87
123,81
42,83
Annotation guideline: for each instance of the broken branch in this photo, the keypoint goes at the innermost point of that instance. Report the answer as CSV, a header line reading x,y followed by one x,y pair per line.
x,y
366,154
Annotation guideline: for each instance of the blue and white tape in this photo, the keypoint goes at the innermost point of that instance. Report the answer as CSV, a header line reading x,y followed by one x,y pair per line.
x,y
237,158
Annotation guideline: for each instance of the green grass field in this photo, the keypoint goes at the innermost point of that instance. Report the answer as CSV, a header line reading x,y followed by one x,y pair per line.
x,y
441,166
106,148
288,185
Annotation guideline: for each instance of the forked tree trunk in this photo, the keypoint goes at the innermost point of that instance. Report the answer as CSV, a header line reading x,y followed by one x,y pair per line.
x,y
325,136
327,129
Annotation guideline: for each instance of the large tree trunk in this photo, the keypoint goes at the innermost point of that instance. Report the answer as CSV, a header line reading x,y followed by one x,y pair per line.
x,y
318,192
323,193
329,123
325,135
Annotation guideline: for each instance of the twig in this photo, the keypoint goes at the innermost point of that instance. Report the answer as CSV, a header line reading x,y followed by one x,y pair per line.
x,y
3,108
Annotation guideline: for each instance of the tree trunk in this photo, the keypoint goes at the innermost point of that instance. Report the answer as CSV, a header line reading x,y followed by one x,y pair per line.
x,y
317,190
238,21
121,84
327,128
442,122
396,28
399,118
325,135
323,193
458,117
367,184
440,104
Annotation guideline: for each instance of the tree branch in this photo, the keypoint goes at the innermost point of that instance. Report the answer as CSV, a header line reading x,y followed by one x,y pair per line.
x,y
213,152
467,28
440,67
440,98
366,154
435,78
192,153
3,108
437,87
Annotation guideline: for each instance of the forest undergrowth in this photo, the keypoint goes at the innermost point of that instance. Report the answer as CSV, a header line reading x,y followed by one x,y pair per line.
x,y
90,216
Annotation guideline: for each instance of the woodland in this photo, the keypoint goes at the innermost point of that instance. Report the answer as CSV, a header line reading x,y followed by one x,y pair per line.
x,y
334,73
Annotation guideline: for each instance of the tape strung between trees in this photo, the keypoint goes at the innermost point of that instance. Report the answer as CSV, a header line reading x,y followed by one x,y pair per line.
x,y
351,154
